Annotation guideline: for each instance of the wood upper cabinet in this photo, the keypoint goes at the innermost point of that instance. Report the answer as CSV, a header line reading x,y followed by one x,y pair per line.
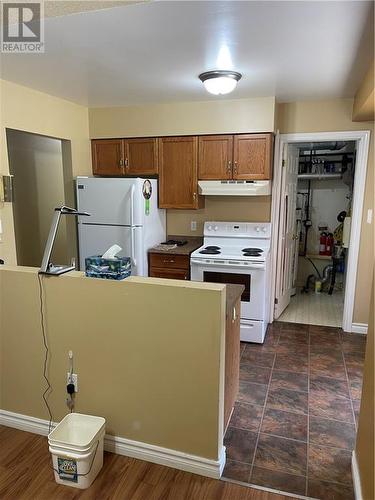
x,y
125,156
107,157
215,157
178,172
141,156
252,156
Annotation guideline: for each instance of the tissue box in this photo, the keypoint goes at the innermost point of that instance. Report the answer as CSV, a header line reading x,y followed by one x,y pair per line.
x,y
117,268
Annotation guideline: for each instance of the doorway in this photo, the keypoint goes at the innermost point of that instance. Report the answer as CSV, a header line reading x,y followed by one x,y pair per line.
x,y
41,180
316,215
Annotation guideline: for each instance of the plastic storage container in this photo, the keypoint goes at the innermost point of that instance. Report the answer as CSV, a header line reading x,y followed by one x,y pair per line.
x,y
76,445
117,268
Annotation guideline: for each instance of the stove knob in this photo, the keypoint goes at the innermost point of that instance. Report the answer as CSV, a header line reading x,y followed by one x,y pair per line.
x,y
264,229
216,228
209,228
257,229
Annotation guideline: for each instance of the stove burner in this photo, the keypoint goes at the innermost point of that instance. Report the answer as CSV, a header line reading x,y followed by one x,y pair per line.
x,y
252,254
212,247
210,251
257,250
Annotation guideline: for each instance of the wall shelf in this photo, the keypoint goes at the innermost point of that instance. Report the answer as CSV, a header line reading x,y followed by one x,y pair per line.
x,y
319,177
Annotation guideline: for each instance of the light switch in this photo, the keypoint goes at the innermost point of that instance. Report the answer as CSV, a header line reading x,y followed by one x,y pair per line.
x,y
193,225
369,216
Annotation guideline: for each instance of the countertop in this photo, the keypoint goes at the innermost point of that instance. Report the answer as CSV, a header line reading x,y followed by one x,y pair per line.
x,y
193,242
234,292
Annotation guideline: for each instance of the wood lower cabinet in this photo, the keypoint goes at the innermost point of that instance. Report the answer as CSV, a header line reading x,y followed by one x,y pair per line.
x,y
141,156
178,173
215,157
175,267
108,157
252,156
232,360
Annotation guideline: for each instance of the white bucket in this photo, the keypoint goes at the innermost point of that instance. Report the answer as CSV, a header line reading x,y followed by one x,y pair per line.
x,y
76,445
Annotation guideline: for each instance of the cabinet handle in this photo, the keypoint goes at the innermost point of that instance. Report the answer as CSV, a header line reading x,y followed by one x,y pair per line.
x,y
171,261
229,166
126,163
121,163
235,167
194,195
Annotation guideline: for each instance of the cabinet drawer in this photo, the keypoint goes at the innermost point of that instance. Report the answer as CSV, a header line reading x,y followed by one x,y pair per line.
x,y
170,261
173,274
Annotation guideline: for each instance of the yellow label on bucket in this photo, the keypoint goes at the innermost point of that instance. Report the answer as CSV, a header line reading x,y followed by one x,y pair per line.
x,y
67,469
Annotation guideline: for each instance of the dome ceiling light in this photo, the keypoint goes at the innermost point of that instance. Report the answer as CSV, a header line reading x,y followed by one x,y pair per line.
x,y
220,82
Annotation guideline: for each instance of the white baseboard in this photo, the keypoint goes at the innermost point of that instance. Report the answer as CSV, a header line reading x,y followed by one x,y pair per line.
x,y
359,328
129,448
356,478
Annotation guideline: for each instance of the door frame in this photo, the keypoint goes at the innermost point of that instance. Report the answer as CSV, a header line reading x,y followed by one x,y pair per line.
x,y
362,138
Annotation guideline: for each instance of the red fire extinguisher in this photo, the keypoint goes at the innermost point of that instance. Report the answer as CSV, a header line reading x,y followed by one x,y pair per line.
x,y
323,243
329,244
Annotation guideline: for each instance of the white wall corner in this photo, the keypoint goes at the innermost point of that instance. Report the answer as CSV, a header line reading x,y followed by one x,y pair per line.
x,y
129,448
359,328
356,478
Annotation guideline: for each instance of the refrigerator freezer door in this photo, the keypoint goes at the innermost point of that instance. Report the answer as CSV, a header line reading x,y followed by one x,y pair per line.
x,y
95,240
110,201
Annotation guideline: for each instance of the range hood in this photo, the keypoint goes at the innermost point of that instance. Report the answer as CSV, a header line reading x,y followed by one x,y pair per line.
x,y
235,188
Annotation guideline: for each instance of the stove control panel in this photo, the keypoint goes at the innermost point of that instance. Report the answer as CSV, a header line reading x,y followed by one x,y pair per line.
x,y
240,229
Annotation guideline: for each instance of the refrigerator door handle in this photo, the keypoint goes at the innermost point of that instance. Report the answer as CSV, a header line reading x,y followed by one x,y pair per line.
x,y
132,246
132,229
132,205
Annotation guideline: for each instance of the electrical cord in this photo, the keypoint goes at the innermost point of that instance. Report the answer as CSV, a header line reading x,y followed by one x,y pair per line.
x,y
42,322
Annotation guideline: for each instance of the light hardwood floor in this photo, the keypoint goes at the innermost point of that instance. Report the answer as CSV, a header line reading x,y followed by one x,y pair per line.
x,y
315,309
25,474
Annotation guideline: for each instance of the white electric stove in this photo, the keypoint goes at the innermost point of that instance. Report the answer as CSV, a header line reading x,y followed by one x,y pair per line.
x,y
238,253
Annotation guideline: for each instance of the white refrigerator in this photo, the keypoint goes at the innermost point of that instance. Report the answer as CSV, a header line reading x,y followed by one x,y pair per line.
x,y
123,212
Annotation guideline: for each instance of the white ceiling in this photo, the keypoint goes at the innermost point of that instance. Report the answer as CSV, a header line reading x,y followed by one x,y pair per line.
x,y
153,52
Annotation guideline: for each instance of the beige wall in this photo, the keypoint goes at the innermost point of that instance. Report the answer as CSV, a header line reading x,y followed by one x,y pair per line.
x,y
22,108
184,118
329,116
365,437
139,362
364,100
181,118
221,208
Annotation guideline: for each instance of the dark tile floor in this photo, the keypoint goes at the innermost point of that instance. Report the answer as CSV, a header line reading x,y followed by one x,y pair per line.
x,y
294,424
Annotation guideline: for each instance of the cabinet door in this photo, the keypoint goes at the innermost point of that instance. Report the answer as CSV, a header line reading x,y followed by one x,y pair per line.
x,y
173,274
252,156
107,156
141,156
215,157
178,172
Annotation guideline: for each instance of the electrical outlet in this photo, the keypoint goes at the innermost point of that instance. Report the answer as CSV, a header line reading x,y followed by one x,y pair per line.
x,y
193,225
72,380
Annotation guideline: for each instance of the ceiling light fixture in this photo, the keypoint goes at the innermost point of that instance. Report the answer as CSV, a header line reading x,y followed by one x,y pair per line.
x,y
220,82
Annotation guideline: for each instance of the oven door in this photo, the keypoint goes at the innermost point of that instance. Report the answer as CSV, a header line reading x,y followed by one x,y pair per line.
x,y
252,276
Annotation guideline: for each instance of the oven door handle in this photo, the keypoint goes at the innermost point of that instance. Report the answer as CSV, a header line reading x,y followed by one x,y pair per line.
x,y
242,266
